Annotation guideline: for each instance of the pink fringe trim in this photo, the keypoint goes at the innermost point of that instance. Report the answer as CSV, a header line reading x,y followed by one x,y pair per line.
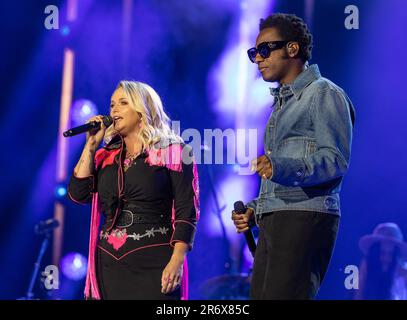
x,y
91,285
195,186
185,278
184,283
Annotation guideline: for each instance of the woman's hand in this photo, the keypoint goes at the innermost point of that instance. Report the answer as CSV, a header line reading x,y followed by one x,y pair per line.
x,y
84,167
172,274
94,137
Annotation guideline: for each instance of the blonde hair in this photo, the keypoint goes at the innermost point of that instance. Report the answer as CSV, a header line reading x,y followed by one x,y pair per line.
x,y
156,123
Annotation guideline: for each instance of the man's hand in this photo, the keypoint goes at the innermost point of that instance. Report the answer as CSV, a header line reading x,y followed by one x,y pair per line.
x,y
263,167
241,221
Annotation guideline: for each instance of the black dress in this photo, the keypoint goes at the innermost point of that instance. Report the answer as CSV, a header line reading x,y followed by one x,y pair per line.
x,y
130,256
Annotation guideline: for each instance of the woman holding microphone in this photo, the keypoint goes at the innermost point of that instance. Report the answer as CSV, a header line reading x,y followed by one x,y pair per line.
x,y
145,185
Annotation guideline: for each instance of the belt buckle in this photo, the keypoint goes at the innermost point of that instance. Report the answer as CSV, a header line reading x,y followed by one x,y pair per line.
x,y
132,220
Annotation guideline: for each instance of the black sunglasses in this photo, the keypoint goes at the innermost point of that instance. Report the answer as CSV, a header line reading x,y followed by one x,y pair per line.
x,y
264,49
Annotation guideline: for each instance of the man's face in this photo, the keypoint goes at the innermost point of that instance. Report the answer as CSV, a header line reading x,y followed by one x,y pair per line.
x,y
275,67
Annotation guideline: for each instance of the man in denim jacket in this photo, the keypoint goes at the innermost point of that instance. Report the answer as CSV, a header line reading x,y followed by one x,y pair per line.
x,y
307,150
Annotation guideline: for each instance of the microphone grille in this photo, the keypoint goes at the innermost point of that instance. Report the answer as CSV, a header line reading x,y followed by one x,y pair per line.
x,y
107,121
239,206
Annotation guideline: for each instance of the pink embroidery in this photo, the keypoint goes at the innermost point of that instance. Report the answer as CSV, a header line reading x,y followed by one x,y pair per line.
x,y
117,238
105,157
131,251
170,157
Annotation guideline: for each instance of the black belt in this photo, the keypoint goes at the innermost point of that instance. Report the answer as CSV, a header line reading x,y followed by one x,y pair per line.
x,y
127,218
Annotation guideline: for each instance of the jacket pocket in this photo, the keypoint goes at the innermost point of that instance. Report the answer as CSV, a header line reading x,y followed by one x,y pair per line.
x,y
296,147
311,147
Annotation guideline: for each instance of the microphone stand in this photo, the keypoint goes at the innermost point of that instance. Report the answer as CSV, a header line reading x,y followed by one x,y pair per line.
x,y
44,246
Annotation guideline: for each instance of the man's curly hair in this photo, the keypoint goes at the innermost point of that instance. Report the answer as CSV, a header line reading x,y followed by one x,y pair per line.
x,y
291,28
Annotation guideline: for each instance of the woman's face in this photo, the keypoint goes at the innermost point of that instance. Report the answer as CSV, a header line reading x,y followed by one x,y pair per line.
x,y
126,118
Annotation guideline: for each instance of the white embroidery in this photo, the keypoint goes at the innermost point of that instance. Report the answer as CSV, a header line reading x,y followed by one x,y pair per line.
x,y
135,236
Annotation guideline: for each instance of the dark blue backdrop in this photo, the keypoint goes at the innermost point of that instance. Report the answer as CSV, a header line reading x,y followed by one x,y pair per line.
x,y
173,47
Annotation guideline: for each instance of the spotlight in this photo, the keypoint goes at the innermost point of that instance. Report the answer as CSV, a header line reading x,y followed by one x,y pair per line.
x,y
65,31
74,266
60,191
82,110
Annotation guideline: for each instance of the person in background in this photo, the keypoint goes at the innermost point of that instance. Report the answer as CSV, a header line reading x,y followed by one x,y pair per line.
x,y
383,270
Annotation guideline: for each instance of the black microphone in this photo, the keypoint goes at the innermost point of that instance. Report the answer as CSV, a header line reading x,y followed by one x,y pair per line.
x,y
107,120
46,226
240,208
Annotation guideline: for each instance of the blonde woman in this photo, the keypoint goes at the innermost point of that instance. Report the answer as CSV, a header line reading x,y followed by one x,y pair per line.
x,y
144,184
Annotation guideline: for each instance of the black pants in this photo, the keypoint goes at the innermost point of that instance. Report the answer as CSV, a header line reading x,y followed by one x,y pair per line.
x,y
293,254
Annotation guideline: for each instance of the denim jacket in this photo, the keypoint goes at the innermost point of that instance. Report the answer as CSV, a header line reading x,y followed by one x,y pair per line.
x,y
308,142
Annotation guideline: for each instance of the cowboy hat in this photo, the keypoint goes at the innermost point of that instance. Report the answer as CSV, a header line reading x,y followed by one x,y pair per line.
x,y
389,232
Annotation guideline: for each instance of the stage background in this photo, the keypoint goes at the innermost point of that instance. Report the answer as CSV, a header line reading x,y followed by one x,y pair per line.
x,y
189,52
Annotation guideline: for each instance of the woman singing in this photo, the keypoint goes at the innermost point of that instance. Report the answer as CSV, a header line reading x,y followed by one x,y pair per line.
x,y
145,183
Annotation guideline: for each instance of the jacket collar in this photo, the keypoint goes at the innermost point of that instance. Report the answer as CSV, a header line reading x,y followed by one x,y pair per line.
x,y
305,78
115,143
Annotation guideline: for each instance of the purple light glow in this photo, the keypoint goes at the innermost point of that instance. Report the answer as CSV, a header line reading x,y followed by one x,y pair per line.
x,y
240,97
238,93
74,265
82,110
234,82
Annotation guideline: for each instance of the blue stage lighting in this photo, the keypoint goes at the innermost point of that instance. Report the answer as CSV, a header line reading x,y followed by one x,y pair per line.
x,y
65,31
60,191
